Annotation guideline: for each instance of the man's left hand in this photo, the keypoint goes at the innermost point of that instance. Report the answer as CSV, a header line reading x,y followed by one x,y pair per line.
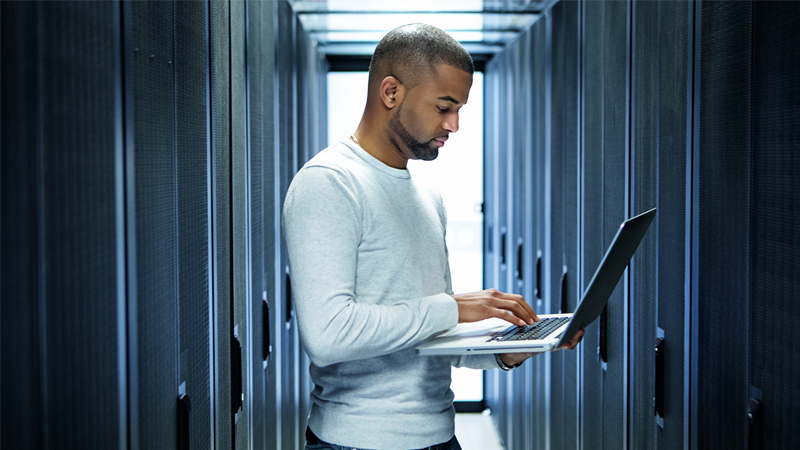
x,y
574,341
512,359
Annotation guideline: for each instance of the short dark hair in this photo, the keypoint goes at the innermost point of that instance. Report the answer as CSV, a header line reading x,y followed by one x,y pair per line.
x,y
412,51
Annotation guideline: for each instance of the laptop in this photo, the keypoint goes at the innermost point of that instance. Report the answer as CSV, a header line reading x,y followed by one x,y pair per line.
x,y
553,330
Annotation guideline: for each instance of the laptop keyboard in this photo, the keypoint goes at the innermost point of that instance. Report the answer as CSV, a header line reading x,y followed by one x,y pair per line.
x,y
539,330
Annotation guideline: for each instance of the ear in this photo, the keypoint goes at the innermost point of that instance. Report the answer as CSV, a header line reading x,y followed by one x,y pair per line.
x,y
391,92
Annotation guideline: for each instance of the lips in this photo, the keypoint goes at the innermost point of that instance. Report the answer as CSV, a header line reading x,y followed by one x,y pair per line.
x,y
440,141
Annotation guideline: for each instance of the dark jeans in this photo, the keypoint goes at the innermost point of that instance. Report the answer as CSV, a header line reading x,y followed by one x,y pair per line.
x,y
314,443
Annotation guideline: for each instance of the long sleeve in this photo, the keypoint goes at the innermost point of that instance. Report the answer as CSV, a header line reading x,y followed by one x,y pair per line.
x,y
323,224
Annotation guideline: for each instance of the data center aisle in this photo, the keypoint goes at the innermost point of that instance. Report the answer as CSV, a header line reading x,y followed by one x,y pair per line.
x,y
475,431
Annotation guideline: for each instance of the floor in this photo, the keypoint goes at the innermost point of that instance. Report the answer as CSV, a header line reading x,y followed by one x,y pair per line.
x,y
475,431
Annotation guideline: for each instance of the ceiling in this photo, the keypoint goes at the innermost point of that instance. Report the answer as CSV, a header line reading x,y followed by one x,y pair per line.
x,y
352,28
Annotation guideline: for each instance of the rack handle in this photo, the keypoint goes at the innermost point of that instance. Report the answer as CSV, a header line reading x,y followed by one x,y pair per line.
x,y
236,375
266,343
184,406
658,400
538,291
602,345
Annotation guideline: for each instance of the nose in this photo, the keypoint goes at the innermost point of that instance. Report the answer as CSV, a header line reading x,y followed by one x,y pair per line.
x,y
451,122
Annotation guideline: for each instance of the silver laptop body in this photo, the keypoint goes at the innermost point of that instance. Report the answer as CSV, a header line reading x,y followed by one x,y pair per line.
x,y
498,336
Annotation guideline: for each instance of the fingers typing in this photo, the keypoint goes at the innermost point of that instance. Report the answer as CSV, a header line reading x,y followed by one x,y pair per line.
x,y
481,305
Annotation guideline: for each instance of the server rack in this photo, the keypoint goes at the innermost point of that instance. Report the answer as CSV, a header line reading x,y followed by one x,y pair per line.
x,y
688,107
141,195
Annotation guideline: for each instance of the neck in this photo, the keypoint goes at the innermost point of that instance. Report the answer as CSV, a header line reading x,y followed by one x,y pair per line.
x,y
374,140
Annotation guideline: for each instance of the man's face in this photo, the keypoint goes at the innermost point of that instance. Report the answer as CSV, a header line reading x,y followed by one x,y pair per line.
x,y
429,113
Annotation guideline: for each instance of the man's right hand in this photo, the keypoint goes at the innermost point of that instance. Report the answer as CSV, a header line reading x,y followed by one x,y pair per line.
x,y
490,303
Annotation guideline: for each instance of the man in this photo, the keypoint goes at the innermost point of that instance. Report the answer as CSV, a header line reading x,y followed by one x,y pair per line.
x,y
369,262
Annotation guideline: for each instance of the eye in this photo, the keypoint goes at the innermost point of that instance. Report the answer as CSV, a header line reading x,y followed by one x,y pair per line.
x,y
442,109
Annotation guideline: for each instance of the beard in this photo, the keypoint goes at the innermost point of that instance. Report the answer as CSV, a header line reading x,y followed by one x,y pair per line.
x,y
420,150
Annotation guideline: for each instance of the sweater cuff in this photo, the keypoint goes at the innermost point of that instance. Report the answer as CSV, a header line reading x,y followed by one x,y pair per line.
x,y
444,312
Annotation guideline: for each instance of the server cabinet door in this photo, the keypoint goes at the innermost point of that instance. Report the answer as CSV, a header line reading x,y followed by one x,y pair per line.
x,y
564,253
287,358
604,208
62,294
152,216
723,224
243,294
490,136
660,144
539,233
491,198
520,207
222,217
191,74
498,151
260,57
775,207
